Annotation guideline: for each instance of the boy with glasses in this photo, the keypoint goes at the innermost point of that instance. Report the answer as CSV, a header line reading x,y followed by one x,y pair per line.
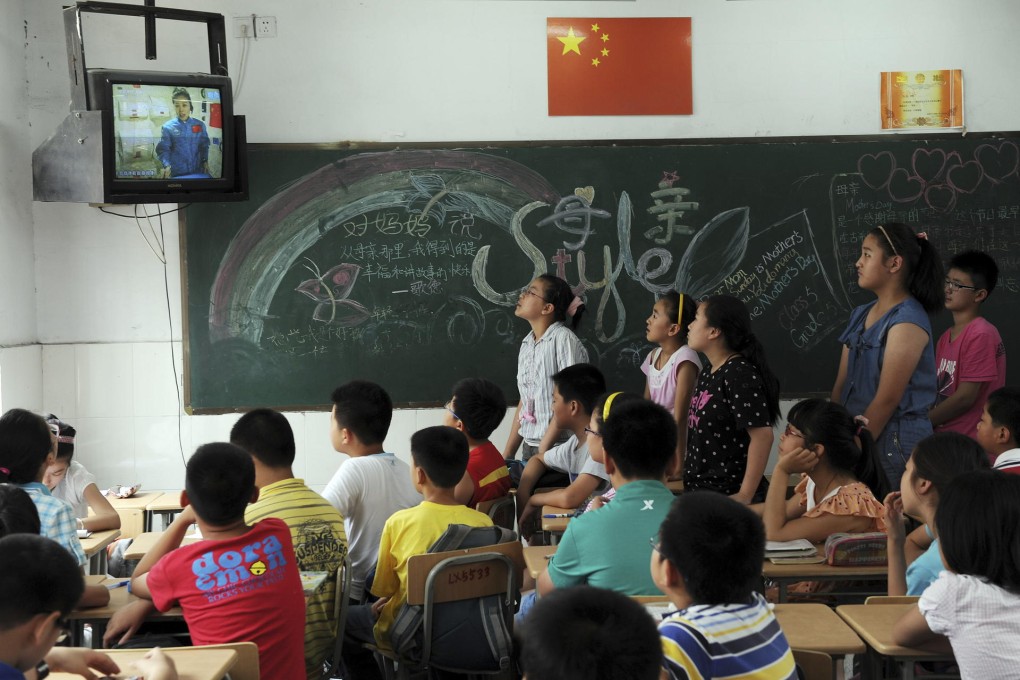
x,y
970,358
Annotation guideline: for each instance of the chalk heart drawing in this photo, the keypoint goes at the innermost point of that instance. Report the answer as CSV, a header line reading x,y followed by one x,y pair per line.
x,y
928,165
940,197
330,291
876,169
903,188
587,193
998,162
966,177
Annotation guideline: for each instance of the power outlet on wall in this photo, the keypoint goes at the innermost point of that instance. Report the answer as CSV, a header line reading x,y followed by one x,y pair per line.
x,y
251,26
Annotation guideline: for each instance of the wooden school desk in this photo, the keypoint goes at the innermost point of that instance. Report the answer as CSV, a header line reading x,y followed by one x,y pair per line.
x,y
874,623
193,663
95,549
98,617
785,574
133,519
555,526
816,628
144,542
166,505
536,558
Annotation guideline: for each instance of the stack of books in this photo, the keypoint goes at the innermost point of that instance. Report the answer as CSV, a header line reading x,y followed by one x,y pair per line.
x,y
799,551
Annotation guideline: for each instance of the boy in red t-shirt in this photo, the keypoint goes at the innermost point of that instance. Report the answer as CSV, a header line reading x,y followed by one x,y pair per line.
x,y
239,584
970,358
476,408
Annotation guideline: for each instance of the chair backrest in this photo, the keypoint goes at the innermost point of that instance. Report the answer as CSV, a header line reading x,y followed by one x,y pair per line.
x,y
500,510
247,665
892,599
340,609
473,576
420,566
814,665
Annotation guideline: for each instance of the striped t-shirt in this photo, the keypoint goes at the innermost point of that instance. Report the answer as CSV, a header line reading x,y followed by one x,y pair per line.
x,y
320,544
536,364
726,641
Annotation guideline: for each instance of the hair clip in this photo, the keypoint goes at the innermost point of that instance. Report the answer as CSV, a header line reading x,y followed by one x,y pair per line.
x,y
5,471
574,305
922,235
609,402
680,313
862,422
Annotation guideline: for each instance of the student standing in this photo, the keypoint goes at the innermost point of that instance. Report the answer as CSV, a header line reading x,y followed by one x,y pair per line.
x,y
887,368
735,404
546,304
970,358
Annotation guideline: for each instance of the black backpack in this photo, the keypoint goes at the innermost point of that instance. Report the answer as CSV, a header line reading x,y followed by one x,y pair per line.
x,y
469,634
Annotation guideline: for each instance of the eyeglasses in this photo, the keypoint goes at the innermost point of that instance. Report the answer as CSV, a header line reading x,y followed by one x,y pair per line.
x,y
592,432
528,291
452,413
654,542
790,431
957,286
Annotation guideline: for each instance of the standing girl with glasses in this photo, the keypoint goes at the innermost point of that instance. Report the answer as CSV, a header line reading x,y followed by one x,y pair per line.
x,y
887,369
842,483
673,367
546,304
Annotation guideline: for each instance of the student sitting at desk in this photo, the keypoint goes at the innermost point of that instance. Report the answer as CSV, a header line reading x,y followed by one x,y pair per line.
x,y
439,458
974,602
41,584
608,547
372,484
68,480
26,450
316,528
998,431
707,559
476,408
242,582
842,482
575,390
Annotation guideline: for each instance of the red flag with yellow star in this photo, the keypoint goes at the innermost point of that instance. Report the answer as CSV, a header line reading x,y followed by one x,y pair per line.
x,y
619,67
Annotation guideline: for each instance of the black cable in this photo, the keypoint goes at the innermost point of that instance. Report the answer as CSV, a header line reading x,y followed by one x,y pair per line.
x,y
131,217
170,321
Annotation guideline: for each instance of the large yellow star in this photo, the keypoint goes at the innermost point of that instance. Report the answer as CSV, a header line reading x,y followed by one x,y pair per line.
x,y
572,42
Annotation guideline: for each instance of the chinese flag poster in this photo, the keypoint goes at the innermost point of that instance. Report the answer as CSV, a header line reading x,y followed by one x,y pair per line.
x,y
619,67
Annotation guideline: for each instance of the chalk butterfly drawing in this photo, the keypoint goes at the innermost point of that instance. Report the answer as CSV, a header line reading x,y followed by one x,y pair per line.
x,y
330,291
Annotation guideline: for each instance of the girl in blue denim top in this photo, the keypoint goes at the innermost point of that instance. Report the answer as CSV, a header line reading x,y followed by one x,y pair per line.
x,y
887,369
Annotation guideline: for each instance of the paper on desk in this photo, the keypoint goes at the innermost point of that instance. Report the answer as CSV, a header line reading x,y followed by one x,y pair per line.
x,y
798,545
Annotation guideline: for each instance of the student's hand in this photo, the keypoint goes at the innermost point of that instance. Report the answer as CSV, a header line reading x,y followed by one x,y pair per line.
x,y
164,173
895,530
125,622
187,516
526,522
81,662
596,503
377,607
156,665
799,460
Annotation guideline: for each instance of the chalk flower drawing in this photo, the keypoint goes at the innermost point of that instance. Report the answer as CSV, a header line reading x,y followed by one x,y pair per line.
x,y
330,291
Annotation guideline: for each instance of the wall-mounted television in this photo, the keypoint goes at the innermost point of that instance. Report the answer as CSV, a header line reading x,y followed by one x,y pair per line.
x,y
168,136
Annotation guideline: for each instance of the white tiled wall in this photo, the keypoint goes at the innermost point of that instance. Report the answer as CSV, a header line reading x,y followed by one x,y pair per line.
x,y
20,377
123,401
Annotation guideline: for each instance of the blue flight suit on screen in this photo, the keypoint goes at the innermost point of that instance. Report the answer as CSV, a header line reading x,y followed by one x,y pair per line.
x,y
184,146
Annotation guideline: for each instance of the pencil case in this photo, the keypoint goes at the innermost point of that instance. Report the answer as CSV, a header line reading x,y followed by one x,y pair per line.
x,y
856,550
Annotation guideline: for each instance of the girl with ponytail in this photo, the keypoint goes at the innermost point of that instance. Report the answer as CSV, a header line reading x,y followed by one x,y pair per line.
x,y
735,404
887,369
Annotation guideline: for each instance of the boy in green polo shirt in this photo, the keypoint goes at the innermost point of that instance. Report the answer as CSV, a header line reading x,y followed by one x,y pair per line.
x,y
609,547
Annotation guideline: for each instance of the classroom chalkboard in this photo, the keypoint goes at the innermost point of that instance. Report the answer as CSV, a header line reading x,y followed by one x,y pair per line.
x,y
403,265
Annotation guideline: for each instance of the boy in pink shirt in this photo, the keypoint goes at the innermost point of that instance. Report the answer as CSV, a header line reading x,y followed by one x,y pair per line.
x,y
970,358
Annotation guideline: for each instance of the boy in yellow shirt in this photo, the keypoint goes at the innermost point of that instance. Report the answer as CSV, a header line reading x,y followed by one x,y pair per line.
x,y
439,457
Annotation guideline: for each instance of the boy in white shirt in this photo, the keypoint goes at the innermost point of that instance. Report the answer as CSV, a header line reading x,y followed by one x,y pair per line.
x,y
372,484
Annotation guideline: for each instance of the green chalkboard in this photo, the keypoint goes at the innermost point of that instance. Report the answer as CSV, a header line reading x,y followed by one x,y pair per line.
x,y
403,265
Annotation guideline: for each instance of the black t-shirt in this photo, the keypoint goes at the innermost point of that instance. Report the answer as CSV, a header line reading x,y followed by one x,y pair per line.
x,y
725,404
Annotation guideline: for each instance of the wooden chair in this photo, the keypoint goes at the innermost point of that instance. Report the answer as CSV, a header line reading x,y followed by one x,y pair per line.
x,y
247,665
433,579
340,608
500,511
814,665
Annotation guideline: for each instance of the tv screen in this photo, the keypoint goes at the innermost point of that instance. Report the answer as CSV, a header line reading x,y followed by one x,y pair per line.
x,y
165,133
